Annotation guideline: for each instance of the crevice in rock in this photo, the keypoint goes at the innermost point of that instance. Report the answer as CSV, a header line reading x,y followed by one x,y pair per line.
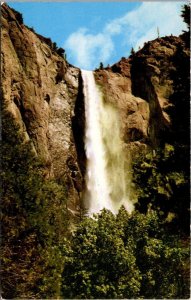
x,y
47,98
60,72
78,127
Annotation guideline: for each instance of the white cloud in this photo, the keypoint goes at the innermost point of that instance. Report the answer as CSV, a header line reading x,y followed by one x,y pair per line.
x,y
87,49
141,24
134,28
113,27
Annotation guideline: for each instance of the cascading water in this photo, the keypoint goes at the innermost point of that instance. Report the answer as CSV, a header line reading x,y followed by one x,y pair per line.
x,y
106,175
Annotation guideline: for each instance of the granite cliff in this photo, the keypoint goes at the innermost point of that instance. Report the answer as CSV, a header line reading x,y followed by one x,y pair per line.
x,y
142,87
40,89
140,255
44,93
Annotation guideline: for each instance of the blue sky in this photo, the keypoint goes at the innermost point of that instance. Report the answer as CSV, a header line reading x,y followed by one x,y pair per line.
x,y
94,32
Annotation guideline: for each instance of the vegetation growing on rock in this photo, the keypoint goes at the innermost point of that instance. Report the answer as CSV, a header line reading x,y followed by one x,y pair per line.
x,y
143,255
34,220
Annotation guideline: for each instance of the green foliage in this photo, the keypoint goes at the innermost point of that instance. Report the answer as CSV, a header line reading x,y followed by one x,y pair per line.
x,y
34,220
132,51
54,46
59,51
158,256
162,180
99,265
101,66
123,256
186,14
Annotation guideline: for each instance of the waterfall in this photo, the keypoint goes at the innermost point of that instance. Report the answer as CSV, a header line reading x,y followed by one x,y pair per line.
x,y
107,182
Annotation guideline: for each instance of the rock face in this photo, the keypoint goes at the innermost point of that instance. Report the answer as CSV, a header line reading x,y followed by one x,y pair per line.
x,y
116,85
40,89
142,87
44,94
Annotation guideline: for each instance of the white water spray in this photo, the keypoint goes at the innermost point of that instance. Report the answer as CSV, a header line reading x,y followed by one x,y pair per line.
x,y
106,180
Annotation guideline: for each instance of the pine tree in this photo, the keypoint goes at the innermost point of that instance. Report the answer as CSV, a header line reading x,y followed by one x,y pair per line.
x,y
101,66
132,51
186,14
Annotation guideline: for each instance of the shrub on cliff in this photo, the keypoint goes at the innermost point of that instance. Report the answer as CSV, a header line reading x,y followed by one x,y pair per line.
x,y
186,14
162,179
101,66
60,51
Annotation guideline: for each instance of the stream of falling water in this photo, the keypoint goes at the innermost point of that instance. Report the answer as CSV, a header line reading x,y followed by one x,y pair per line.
x,y
107,183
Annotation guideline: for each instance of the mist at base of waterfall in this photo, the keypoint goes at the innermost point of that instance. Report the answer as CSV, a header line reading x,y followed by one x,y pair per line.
x,y
107,171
